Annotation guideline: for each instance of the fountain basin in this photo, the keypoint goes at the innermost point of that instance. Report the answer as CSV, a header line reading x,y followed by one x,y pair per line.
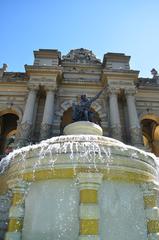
x,y
75,153
81,179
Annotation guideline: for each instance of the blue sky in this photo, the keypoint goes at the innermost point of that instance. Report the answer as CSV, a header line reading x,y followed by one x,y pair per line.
x,y
127,26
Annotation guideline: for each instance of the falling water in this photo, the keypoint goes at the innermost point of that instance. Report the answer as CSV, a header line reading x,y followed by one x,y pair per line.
x,y
76,150
89,148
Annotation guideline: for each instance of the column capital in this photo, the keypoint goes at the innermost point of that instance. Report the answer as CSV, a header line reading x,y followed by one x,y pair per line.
x,y
49,88
16,185
130,91
33,87
113,90
90,178
149,188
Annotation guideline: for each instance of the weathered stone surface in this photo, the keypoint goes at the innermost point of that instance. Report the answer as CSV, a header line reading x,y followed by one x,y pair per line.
x,y
79,72
81,55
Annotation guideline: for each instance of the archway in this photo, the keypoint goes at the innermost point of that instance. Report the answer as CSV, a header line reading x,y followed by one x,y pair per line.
x,y
150,130
8,126
67,118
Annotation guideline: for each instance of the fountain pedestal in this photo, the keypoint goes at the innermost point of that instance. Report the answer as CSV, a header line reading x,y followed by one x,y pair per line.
x,y
83,128
82,186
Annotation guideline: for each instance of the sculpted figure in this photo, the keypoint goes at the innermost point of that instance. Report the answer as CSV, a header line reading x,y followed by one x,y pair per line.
x,y
154,73
82,111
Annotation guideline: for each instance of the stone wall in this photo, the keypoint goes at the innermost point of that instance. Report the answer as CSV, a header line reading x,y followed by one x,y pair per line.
x,y
68,77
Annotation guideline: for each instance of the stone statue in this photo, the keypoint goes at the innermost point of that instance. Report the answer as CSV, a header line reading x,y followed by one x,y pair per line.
x,y
155,76
154,73
82,111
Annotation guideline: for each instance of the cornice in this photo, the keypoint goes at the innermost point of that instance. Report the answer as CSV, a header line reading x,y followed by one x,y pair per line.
x,y
12,84
47,53
116,56
32,69
118,74
149,87
11,89
145,89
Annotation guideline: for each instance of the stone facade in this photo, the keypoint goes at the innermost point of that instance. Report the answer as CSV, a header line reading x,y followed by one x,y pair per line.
x,y
37,104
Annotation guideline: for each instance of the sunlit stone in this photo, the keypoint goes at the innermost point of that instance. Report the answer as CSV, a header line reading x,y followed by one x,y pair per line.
x,y
50,176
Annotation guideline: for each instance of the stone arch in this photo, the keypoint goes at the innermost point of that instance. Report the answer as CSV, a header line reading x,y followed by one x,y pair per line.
x,y
8,127
4,109
150,130
151,116
66,106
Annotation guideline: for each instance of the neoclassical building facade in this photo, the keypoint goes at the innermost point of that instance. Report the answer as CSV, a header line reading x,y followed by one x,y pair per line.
x,y
37,104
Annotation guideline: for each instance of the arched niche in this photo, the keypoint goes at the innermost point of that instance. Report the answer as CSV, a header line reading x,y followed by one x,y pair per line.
x,y
150,130
8,127
150,116
4,109
67,118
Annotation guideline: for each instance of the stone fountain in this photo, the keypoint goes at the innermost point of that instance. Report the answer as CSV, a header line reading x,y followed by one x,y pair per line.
x,y
80,186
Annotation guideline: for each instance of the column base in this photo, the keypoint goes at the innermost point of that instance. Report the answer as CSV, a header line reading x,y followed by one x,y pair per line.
x,y
45,131
21,142
116,133
25,130
136,137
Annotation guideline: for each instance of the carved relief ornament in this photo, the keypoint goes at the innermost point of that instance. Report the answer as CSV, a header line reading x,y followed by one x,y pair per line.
x,y
113,91
33,87
130,91
51,88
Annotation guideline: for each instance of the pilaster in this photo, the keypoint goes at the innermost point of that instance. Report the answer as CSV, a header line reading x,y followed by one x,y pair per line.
x,y
5,201
150,197
16,212
89,184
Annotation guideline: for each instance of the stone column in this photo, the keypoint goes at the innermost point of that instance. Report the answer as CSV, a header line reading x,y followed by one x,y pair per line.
x,y
48,114
134,125
27,120
114,114
89,184
150,195
5,202
16,212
